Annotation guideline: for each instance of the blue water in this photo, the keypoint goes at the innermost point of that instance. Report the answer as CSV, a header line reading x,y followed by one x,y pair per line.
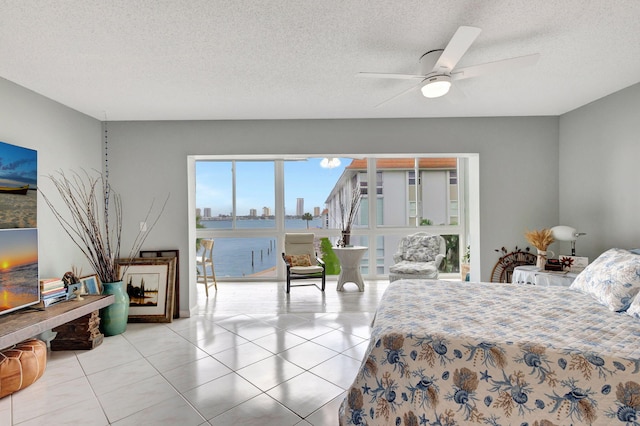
x,y
239,257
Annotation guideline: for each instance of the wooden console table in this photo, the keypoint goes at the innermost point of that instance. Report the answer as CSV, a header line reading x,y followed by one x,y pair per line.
x,y
27,323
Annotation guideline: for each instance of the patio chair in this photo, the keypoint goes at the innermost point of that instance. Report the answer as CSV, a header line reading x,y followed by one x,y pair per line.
x,y
206,261
302,261
418,257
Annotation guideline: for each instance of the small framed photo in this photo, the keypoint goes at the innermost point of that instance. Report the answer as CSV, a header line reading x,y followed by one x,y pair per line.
x,y
149,282
90,285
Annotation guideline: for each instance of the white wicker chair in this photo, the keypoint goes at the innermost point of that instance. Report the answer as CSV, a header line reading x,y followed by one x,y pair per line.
x,y
418,257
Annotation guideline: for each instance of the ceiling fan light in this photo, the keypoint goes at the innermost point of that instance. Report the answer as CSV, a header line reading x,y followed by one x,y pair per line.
x,y
436,86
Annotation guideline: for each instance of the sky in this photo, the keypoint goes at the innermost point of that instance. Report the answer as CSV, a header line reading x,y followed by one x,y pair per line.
x,y
17,165
255,185
18,247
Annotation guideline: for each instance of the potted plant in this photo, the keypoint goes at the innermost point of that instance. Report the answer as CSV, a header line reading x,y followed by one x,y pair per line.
x,y
465,266
92,218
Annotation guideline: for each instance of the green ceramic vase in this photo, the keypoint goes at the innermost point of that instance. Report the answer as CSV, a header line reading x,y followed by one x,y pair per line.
x,y
113,318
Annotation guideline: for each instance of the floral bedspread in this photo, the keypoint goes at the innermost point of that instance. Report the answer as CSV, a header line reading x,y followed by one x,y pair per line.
x,y
458,353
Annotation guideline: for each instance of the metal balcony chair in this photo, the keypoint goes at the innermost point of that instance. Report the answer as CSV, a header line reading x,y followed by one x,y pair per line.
x,y
302,261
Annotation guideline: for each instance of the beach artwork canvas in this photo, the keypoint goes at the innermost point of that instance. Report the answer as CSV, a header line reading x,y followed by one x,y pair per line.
x,y
18,183
19,285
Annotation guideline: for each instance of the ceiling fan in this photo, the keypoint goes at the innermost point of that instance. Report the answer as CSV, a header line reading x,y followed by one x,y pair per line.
x,y
438,67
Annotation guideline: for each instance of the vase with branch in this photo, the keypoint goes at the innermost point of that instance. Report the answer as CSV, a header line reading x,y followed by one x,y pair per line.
x,y
348,213
91,215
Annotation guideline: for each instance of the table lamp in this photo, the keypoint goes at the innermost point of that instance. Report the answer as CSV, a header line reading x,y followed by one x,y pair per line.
x,y
566,233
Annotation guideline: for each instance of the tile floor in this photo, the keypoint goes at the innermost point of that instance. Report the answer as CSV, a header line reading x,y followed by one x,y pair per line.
x,y
251,355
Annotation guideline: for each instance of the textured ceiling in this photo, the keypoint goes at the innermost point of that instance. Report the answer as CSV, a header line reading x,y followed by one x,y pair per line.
x,y
238,59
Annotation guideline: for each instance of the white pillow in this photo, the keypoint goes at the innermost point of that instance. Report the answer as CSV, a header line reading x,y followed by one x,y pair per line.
x,y
613,279
634,309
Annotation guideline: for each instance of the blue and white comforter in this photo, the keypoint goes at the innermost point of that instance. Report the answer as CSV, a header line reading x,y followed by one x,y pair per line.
x,y
455,353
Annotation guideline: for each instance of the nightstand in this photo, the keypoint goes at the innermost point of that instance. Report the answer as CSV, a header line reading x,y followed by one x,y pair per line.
x,y
530,274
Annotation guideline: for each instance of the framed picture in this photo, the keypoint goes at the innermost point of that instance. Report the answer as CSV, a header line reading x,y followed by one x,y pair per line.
x,y
18,187
90,285
176,292
149,282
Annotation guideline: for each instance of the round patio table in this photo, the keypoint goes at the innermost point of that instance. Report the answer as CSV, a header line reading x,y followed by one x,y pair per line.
x,y
350,258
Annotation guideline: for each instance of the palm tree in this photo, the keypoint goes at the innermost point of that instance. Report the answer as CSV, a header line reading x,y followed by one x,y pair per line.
x,y
307,217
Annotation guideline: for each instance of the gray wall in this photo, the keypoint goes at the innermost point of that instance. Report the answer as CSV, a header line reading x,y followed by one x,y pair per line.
x,y
65,140
578,169
518,166
599,173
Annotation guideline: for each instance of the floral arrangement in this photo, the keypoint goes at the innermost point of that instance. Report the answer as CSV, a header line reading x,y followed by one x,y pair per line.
x,y
540,239
90,202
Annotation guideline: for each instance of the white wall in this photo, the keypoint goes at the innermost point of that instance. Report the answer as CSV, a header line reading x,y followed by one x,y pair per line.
x,y
394,206
518,166
65,140
599,173
435,200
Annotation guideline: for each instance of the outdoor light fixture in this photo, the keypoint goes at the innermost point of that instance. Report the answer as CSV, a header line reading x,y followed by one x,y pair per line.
x,y
566,233
436,86
330,163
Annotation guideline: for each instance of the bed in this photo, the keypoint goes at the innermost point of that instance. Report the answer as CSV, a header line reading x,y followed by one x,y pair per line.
x,y
456,353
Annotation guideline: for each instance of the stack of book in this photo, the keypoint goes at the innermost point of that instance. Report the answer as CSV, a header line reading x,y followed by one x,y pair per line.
x,y
52,290
553,265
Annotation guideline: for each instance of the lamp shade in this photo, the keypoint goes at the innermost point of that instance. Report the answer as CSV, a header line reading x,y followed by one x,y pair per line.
x,y
436,86
564,233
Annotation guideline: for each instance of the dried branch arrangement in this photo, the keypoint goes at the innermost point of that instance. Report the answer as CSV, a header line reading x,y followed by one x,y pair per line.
x,y
349,212
93,220
540,239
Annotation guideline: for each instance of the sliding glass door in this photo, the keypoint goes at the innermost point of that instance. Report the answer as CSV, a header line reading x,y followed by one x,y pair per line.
x,y
248,205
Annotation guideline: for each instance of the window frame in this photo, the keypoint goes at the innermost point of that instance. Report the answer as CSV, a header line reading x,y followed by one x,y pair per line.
x,y
372,231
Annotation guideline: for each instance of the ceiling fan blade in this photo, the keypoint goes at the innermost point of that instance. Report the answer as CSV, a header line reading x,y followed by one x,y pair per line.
x,y
459,44
494,67
389,75
410,89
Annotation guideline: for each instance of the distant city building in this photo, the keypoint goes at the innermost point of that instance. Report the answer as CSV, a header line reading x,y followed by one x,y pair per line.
x,y
325,218
253,212
299,206
316,211
266,211
198,212
207,212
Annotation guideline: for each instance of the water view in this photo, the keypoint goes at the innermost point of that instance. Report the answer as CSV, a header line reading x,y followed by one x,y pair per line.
x,y
241,257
